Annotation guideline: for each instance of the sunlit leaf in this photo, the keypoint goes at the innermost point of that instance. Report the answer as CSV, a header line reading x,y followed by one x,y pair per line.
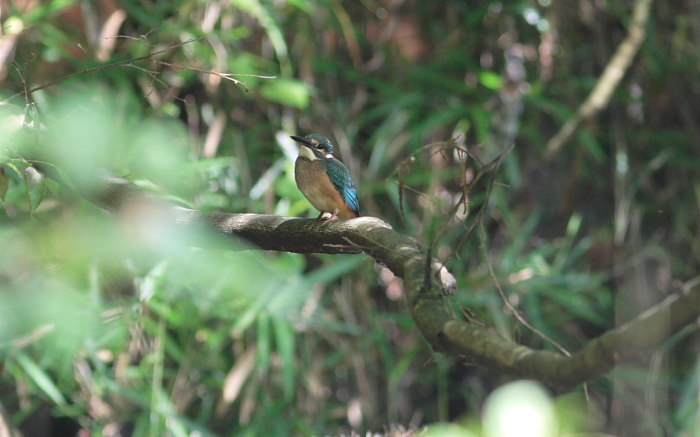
x,y
288,92
35,184
490,79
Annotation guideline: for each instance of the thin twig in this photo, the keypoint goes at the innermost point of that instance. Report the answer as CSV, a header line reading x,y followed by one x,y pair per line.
x,y
492,166
227,76
125,62
516,313
443,145
131,63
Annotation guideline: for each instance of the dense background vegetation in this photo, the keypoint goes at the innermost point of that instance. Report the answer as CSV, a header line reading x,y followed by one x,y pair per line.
x,y
120,333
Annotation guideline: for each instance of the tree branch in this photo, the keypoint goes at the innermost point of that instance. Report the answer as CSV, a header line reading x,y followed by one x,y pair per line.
x,y
646,331
404,257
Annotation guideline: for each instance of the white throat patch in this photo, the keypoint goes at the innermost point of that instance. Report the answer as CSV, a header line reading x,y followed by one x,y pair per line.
x,y
307,153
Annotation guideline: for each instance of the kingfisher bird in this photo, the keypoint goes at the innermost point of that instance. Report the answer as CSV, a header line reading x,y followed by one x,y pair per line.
x,y
324,180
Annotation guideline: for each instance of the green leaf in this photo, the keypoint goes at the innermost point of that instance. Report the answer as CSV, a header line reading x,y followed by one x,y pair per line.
x,y
341,266
304,5
491,80
40,12
591,144
35,184
153,281
155,188
287,92
40,378
263,342
284,337
16,167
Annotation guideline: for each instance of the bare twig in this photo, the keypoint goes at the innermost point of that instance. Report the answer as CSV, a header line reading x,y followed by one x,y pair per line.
x,y
227,76
130,63
490,167
505,299
124,63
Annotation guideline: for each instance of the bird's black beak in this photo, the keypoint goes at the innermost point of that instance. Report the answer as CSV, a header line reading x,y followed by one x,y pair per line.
x,y
303,141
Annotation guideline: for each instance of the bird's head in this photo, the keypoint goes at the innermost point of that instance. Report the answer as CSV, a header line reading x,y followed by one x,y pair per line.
x,y
318,143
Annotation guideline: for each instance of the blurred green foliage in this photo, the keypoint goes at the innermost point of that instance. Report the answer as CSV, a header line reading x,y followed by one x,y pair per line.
x,y
113,323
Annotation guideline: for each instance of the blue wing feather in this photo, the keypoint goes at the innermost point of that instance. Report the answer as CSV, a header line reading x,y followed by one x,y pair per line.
x,y
350,196
342,180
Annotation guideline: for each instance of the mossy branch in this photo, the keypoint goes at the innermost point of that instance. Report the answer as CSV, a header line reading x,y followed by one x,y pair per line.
x,y
426,299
